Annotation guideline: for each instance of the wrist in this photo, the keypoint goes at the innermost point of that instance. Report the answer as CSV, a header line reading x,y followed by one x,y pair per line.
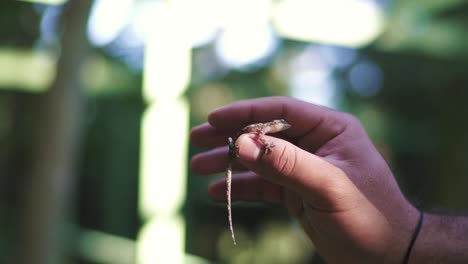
x,y
404,226
442,239
415,235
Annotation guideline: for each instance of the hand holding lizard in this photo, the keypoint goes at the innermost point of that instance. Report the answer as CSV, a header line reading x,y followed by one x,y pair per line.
x,y
325,171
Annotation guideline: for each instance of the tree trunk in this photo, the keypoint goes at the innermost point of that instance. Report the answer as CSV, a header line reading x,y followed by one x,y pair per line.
x,y
48,185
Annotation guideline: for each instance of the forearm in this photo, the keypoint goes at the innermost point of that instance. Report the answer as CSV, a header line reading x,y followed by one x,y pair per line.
x,y
442,239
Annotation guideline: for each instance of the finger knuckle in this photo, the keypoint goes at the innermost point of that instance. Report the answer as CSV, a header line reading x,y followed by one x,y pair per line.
x,y
352,122
350,118
286,161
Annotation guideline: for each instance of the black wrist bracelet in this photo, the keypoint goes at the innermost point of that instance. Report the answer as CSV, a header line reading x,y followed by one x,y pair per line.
x,y
413,238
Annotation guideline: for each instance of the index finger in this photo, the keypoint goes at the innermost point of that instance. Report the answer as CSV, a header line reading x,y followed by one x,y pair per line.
x,y
311,123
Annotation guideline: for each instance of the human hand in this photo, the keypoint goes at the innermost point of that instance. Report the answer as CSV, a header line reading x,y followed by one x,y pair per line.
x,y
326,171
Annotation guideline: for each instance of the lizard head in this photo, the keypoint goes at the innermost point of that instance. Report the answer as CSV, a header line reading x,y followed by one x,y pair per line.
x,y
281,123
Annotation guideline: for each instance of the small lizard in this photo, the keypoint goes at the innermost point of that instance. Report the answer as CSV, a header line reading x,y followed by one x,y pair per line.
x,y
260,129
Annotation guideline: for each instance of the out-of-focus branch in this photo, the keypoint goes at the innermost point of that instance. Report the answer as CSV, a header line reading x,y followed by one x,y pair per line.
x,y
49,183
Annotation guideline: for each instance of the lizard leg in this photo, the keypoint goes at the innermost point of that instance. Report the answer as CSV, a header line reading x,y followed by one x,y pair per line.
x,y
267,146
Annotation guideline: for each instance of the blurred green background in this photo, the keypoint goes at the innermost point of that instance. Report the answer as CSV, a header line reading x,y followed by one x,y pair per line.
x,y
97,98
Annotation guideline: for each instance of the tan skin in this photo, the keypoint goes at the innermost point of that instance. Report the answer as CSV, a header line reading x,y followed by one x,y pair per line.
x,y
325,170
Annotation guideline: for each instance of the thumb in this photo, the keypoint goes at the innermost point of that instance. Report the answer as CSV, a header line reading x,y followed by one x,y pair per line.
x,y
319,182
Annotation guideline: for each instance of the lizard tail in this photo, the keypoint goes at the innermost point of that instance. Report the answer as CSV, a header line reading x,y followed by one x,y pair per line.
x,y
228,195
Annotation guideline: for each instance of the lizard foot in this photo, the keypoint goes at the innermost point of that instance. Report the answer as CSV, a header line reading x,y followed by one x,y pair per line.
x,y
268,147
